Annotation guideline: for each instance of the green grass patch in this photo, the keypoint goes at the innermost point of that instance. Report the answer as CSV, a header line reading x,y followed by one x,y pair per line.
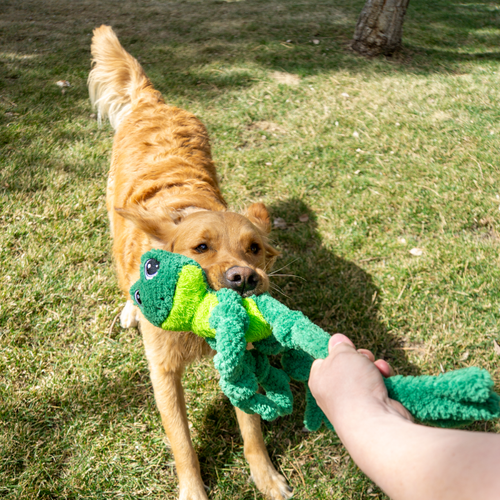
x,y
382,155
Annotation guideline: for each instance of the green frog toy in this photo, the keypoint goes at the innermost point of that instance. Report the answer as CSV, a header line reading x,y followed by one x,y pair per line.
x,y
173,294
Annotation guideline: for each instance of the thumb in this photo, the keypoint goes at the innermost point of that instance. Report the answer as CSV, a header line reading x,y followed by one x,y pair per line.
x,y
339,342
315,366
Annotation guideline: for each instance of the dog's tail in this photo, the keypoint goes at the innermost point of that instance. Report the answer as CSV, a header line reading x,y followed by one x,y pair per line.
x,y
117,81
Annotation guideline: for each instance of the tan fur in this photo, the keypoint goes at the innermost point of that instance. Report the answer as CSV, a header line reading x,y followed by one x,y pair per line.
x,y
163,193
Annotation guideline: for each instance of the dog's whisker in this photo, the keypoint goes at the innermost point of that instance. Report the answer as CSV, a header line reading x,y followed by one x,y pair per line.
x,y
272,275
278,289
267,266
286,265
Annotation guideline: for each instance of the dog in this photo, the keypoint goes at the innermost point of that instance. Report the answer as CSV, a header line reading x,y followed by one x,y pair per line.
x,y
163,192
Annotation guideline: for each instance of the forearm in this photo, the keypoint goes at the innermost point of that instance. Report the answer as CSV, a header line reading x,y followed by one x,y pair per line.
x,y
413,462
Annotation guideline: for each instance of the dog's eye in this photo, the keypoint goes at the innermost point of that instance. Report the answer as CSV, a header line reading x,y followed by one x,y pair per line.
x,y
137,297
151,268
254,248
201,248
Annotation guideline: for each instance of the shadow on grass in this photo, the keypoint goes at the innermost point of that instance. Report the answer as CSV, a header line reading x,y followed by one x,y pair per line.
x,y
226,33
334,293
197,51
176,39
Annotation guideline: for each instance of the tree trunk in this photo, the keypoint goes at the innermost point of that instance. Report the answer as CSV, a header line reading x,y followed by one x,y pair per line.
x,y
380,26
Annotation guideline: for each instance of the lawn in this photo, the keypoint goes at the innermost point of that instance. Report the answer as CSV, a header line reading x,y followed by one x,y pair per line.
x,y
367,161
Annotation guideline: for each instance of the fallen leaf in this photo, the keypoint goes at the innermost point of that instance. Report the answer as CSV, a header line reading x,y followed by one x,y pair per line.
x,y
416,252
279,223
304,218
464,356
496,347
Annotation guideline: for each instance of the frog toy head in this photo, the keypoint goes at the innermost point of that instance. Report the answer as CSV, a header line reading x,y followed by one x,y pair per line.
x,y
155,290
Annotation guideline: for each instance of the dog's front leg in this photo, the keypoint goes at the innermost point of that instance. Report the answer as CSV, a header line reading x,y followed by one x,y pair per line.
x,y
169,397
164,351
266,477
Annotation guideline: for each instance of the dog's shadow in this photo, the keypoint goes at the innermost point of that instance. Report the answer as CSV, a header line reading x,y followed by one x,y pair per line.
x,y
334,293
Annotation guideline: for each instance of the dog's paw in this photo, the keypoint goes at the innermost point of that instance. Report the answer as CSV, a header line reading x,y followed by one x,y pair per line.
x,y
271,483
129,317
193,493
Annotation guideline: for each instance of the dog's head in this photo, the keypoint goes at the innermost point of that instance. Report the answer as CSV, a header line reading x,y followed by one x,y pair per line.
x,y
233,249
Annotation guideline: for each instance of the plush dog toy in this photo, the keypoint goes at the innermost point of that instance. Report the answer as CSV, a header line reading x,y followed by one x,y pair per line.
x,y
173,293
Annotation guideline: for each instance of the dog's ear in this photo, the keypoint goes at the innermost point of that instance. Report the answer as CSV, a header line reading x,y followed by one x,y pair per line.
x,y
158,224
257,213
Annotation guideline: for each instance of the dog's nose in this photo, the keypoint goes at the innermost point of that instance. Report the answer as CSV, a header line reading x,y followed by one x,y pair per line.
x,y
241,279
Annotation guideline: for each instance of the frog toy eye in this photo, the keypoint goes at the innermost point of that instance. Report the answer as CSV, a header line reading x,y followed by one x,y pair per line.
x,y
151,268
137,297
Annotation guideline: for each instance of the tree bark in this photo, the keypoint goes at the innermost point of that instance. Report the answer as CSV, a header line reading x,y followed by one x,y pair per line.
x,y
380,27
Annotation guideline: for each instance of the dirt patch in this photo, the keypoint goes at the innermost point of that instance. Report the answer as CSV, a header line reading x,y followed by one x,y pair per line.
x,y
286,78
267,127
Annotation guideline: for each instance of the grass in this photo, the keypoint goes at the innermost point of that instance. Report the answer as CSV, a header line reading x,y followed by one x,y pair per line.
x,y
382,155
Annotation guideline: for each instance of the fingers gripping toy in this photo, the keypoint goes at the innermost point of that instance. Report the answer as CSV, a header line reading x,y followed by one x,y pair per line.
x,y
173,293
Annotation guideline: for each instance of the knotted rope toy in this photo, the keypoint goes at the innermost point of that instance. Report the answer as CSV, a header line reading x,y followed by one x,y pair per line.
x,y
173,294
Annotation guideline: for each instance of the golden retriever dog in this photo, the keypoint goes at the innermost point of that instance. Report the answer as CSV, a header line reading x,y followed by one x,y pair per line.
x,y
163,193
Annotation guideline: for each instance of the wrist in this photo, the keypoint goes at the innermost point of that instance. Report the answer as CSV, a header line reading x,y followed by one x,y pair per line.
x,y
367,433
359,418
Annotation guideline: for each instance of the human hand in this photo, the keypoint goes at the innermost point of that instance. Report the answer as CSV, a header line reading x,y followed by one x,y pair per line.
x,y
348,385
406,460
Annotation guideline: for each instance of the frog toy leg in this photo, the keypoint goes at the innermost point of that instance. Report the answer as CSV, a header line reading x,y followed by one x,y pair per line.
x,y
297,364
238,368
292,329
274,381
